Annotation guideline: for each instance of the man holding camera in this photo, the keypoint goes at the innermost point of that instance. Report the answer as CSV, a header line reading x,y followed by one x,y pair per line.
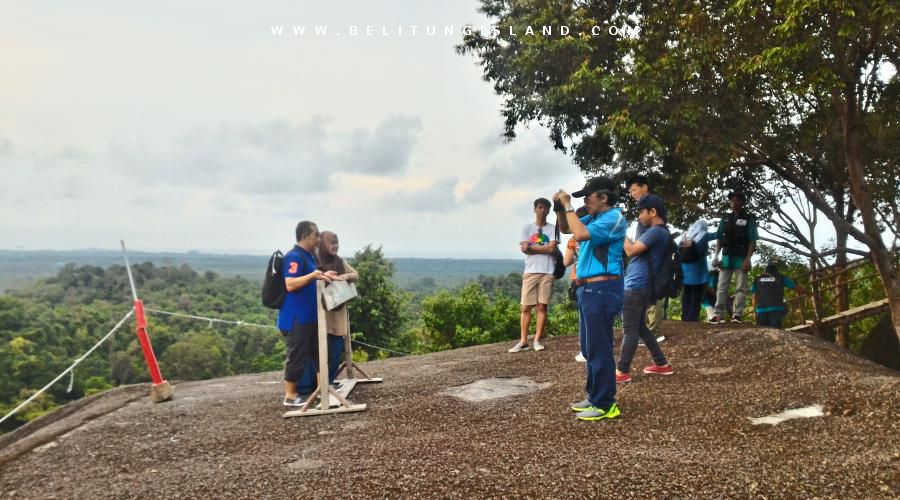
x,y
601,237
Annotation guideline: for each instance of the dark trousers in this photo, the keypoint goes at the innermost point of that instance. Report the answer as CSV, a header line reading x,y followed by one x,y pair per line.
x,y
691,300
308,382
774,319
600,303
634,325
302,346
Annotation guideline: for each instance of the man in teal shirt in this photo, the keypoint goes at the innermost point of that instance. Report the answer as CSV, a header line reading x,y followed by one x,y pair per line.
x,y
736,239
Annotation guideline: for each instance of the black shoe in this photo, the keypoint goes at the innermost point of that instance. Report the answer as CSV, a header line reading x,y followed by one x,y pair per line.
x,y
300,400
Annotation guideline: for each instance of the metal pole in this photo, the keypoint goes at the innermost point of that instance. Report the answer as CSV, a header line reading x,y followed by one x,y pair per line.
x,y
128,268
160,390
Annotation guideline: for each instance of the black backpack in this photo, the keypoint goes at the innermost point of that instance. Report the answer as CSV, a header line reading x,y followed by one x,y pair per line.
x,y
687,251
559,269
273,289
667,282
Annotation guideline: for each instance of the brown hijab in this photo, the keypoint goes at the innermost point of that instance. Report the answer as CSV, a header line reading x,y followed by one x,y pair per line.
x,y
329,261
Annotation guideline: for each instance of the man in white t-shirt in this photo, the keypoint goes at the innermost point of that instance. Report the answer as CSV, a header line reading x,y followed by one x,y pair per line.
x,y
537,244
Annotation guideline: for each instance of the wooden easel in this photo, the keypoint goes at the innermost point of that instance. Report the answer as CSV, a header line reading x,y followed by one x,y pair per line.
x,y
324,407
348,365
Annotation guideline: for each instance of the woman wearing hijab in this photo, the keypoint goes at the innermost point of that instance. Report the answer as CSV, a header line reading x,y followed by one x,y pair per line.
x,y
338,319
695,272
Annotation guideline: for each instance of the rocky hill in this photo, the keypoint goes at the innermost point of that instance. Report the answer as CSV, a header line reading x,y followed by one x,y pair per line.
x,y
427,434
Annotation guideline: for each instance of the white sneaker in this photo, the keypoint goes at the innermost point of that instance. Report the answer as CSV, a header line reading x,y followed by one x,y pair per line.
x,y
518,347
580,358
538,346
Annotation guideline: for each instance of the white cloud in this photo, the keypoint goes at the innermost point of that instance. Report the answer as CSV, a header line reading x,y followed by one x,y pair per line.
x,y
272,157
384,151
438,197
533,164
6,147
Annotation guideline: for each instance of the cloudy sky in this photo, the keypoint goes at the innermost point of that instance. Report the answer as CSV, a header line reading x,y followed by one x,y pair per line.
x,y
191,126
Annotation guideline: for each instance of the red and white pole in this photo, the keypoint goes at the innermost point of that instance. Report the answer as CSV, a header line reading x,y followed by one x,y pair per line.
x,y
160,390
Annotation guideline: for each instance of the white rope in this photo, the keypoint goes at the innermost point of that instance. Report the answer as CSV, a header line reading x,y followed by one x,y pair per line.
x,y
381,348
244,323
210,320
69,369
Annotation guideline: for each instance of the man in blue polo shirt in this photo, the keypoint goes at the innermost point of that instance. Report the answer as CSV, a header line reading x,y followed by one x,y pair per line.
x,y
298,317
601,235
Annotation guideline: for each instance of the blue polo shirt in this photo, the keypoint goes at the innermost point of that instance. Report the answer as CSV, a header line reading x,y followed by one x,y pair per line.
x,y
602,254
299,305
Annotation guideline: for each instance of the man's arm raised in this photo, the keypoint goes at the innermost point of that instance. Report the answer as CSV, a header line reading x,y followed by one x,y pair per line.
x,y
573,225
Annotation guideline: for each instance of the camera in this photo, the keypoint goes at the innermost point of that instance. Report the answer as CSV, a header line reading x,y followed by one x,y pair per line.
x,y
558,206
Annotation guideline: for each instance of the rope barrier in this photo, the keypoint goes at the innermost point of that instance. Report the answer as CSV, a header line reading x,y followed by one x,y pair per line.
x,y
381,348
244,323
210,320
69,369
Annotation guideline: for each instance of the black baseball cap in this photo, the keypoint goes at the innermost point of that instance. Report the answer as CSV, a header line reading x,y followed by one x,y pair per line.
x,y
599,183
653,201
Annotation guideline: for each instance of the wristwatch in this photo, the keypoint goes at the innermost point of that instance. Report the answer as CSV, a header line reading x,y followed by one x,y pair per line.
x,y
570,209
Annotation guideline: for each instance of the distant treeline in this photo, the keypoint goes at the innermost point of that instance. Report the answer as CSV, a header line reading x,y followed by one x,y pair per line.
x,y
18,268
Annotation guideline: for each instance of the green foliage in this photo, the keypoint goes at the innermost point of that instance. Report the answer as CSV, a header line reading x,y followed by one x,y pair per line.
x,y
793,100
379,311
469,317
46,325
96,384
198,356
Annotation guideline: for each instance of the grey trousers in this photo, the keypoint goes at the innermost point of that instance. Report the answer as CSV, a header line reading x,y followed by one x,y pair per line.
x,y
740,297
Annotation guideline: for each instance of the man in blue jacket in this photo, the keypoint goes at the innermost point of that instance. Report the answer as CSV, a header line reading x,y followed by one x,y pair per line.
x,y
601,236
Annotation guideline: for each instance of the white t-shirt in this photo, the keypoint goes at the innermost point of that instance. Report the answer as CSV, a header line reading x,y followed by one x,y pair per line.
x,y
538,262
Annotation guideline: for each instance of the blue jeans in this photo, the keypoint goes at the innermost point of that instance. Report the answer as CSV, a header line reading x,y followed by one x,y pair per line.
x,y
308,381
634,325
600,303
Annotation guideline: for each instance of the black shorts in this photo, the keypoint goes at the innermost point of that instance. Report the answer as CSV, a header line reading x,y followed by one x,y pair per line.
x,y
302,346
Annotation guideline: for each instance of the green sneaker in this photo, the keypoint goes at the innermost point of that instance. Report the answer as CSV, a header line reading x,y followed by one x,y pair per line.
x,y
594,413
581,406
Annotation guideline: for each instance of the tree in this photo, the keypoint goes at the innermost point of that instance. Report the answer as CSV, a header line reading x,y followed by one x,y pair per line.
x,y
468,316
378,312
712,93
199,356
